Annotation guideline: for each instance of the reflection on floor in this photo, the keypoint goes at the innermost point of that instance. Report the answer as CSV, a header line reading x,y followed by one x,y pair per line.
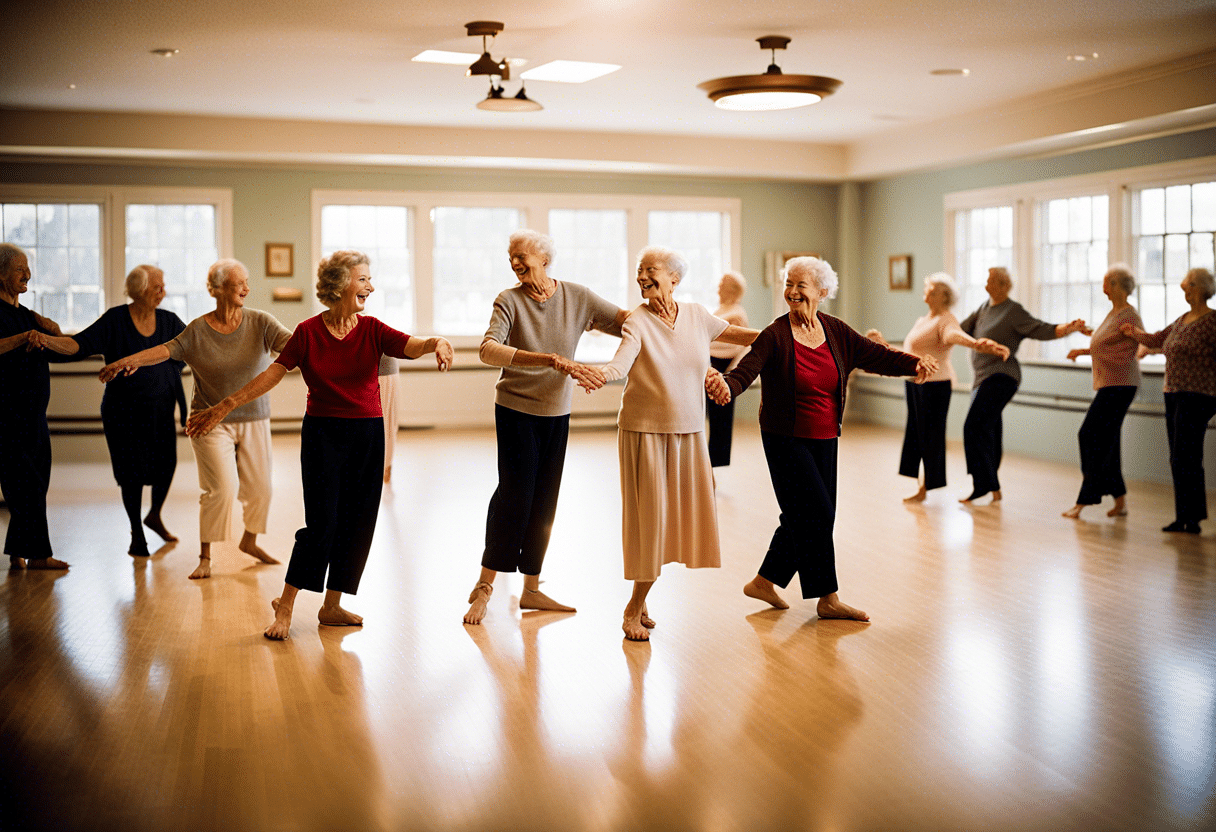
x,y
1023,671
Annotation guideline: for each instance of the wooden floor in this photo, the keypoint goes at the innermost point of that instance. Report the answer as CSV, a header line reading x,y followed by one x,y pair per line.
x,y
1023,671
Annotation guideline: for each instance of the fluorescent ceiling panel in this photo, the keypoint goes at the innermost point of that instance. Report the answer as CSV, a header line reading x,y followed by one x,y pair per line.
x,y
568,72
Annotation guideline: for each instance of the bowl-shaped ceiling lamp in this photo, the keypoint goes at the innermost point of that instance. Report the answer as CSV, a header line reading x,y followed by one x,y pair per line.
x,y
774,90
498,101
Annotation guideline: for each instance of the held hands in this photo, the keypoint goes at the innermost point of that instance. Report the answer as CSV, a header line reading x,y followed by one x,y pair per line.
x,y
987,345
1077,326
443,355
926,367
589,378
35,340
716,387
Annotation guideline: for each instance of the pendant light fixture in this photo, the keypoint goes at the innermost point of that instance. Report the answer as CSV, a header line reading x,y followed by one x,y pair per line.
x,y
496,100
773,90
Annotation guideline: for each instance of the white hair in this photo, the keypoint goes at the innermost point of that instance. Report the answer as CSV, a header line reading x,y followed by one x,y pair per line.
x,y
740,283
220,271
536,242
137,280
946,281
1204,279
672,260
817,269
1121,276
9,253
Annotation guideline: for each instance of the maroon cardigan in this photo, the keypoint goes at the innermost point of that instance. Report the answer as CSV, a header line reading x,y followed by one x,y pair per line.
x,y
772,358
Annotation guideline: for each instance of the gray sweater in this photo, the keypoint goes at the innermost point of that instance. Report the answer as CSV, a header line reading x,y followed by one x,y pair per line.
x,y
550,327
223,364
1006,323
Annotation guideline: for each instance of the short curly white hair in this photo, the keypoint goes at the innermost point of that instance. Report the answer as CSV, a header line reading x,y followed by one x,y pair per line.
x,y
947,283
818,270
220,271
536,242
333,274
672,260
137,279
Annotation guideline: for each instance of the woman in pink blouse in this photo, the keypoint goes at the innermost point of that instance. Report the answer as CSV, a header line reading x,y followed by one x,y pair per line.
x,y
1189,344
1116,378
935,334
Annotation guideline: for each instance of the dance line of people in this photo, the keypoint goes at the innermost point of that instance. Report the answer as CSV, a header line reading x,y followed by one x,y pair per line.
x,y
666,355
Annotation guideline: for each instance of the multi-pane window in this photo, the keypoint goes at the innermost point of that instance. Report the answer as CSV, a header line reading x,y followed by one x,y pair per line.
x,y
1172,232
1073,236
593,249
181,240
384,234
470,265
983,238
63,244
699,236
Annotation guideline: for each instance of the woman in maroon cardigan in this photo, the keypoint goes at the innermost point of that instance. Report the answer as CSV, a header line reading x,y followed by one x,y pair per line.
x,y
804,359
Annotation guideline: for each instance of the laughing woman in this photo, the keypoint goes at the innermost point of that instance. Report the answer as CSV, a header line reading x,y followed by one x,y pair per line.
x,y
342,437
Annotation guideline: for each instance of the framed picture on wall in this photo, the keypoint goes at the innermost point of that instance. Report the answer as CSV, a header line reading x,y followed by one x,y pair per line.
x,y
899,271
278,260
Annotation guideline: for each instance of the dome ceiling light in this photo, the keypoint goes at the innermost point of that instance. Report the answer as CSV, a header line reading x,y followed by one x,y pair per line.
x,y
773,90
496,100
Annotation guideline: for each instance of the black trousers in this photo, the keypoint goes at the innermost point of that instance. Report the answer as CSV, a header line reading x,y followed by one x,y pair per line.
x,y
1100,439
342,471
804,481
1186,423
721,422
531,456
925,432
983,431
25,477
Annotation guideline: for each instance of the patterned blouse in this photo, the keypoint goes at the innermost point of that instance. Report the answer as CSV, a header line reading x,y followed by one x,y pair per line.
x,y
1190,355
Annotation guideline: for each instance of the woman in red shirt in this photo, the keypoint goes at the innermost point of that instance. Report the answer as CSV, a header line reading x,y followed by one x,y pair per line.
x,y
804,360
342,436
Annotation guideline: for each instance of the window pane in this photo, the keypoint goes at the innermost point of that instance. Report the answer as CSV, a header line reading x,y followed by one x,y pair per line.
x,y
470,265
44,230
593,249
382,232
52,225
1178,209
20,225
1152,211
1177,253
183,241
84,225
1057,221
1203,206
698,235
1202,252
1080,220
1149,259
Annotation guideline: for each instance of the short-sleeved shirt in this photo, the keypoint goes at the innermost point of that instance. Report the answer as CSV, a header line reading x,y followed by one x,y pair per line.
x,y
341,373
550,326
1114,354
114,336
665,391
223,363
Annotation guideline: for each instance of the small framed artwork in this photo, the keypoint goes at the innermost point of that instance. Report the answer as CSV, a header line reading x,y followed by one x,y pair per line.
x,y
899,271
278,260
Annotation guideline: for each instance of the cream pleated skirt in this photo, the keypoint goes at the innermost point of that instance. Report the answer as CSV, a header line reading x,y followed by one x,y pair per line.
x,y
668,513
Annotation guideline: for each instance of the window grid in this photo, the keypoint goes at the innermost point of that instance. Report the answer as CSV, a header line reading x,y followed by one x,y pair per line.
x,y
1173,231
470,264
593,249
63,243
384,234
180,239
983,238
1074,237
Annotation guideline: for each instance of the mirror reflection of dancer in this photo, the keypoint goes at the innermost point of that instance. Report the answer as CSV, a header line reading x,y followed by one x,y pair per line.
x,y
935,334
995,380
342,436
804,360
667,494
225,348
1116,369
723,358
1189,344
533,327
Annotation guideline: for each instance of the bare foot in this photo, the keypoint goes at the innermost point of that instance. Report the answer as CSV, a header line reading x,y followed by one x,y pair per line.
x,y
281,628
534,599
158,526
634,629
831,606
996,497
1073,513
388,474
44,563
479,598
763,590
203,570
15,563
646,620
335,616
252,548
919,496
1120,509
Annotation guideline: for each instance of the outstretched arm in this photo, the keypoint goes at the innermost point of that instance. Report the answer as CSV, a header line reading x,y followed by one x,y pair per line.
x,y
128,365
500,355
417,347
738,335
201,422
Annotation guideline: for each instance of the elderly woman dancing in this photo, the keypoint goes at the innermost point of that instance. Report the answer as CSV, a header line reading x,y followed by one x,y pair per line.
x,y
935,334
25,440
137,411
1189,344
225,348
1116,370
995,380
723,357
533,326
342,437
667,493
804,360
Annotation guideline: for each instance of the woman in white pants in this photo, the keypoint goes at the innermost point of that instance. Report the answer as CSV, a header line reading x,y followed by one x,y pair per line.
x,y
225,349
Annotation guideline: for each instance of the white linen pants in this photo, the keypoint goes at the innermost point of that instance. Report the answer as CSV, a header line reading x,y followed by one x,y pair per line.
x,y
388,404
233,461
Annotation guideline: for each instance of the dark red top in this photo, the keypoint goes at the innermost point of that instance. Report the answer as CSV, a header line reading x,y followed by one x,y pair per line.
x,y
341,374
816,380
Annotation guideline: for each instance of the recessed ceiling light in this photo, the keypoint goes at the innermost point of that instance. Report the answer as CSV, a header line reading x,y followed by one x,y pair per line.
x,y
165,53
71,86
949,72
569,72
438,56
1080,57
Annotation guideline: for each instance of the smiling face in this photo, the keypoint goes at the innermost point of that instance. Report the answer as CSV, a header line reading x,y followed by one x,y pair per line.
x,y
528,265
16,279
354,296
802,294
234,290
154,292
655,279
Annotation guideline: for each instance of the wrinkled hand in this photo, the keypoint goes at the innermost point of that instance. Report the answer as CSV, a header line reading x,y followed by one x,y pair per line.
x,y
201,422
1073,355
1080,326
1132,331
926,367
987,345
443,354
716,387
35,340
589,378
876,336
113,370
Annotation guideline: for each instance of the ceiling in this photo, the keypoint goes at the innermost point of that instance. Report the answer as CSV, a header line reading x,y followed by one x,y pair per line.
x,y
312,61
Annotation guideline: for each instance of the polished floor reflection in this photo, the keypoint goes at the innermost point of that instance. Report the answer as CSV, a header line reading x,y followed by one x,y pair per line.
x,y
1022,672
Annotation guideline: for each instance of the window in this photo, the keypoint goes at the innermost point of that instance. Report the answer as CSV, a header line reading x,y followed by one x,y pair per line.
x,y
181,240
383,233
1172,232
1073,236
593,249
698,235
470,265
63,243
983,239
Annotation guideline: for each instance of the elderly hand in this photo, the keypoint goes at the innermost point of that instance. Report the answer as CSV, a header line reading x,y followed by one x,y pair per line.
x,y
201,422
926,367
876,336
716,387
589,378
1080,326
35,340
443,354
113,370
991,347
1073,355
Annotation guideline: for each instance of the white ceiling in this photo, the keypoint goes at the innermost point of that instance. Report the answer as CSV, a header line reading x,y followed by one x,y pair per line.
x,y
325,61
